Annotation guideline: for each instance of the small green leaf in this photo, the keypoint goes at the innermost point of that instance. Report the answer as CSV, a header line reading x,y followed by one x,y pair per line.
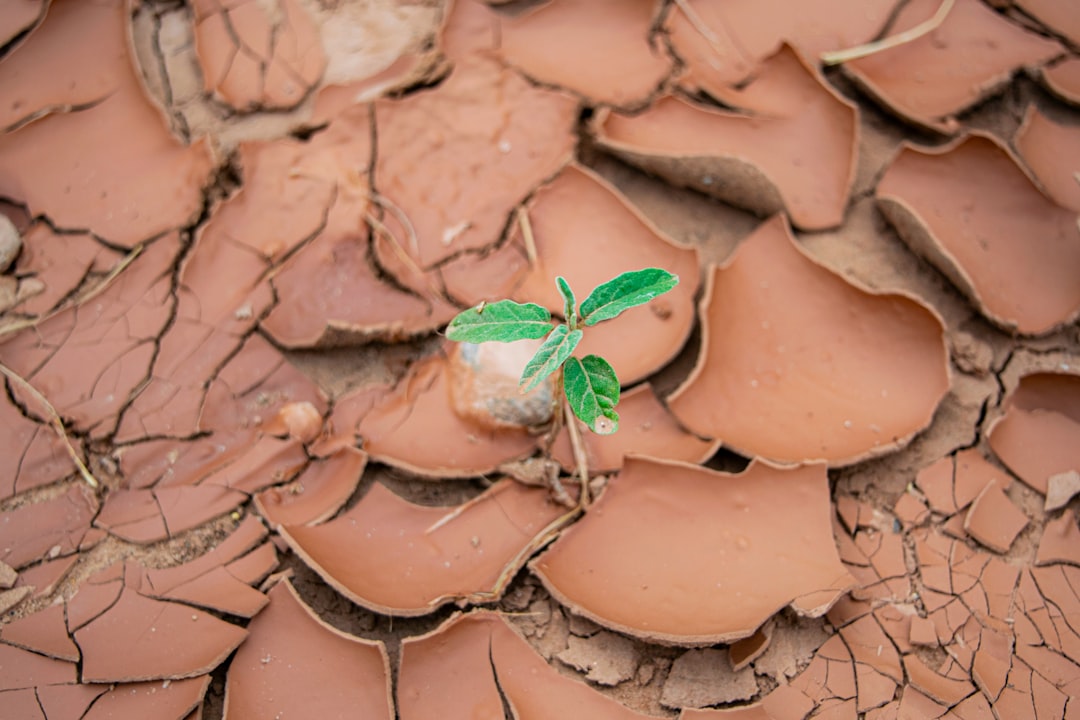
x,y
503,321
550,356
592,388
624,292
569,302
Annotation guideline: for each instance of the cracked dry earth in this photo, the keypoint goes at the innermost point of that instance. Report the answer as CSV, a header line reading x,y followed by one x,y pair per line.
x,y
243,475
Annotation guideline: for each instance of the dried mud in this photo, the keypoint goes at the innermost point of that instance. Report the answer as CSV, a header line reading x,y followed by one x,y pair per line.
x,y
243,475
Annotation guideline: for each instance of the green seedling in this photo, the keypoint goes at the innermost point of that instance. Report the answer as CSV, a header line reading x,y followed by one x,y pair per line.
x,y
590,385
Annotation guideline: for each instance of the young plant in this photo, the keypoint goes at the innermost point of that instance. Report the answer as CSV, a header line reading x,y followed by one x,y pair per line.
x,y
589,383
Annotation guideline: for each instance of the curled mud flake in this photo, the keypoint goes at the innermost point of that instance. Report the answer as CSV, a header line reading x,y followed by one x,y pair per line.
x,y
1060,19
71,61
673,552
89,359
969,56
971,210
138,638
699,678
1039,435
600,49
1061,489
148,516
175,700
484,385
317,494
24,669
645,428
1052,152
349,410
1063,79
402,559
475,665
46,529
43,632
799,365
586,231
259,388
256,55
416,428
723,44
493,130
219,589
994,520
795,149
294,664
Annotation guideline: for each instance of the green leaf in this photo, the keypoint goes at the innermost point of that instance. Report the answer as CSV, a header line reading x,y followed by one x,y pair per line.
x,y
569,301
550,356
592,388
503,321
624,292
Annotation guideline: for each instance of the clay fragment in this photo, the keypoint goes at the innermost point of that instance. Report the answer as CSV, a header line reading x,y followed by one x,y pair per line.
x,y
24,669
601,49
645,428
785,370
1060,19
993,520
672,552
724,44
792,148
317,494
475,665
699,678
968,57
19,18
43,632
88,363
293,663
397,558
172,701
1052,152
47,529
605,658
1060,541
496,131
1063,79
37,454
1038,437
583,229
118,148
416,428
969,209
138,638
258,56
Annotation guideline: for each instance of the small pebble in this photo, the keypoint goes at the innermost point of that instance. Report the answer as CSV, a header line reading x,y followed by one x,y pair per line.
x,y
10,243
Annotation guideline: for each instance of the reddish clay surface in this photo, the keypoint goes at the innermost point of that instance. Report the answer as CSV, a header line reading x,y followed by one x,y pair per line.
x,y
243,475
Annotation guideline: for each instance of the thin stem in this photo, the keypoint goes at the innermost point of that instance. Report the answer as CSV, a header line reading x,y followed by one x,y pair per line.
x,y
578,446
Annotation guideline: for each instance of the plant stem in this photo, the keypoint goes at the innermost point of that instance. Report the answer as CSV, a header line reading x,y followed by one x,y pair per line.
x,y
578,446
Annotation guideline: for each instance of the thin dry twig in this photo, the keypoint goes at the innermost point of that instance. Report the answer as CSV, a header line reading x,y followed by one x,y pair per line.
x,y
23,324
57,423
403,218
859,51
527,234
